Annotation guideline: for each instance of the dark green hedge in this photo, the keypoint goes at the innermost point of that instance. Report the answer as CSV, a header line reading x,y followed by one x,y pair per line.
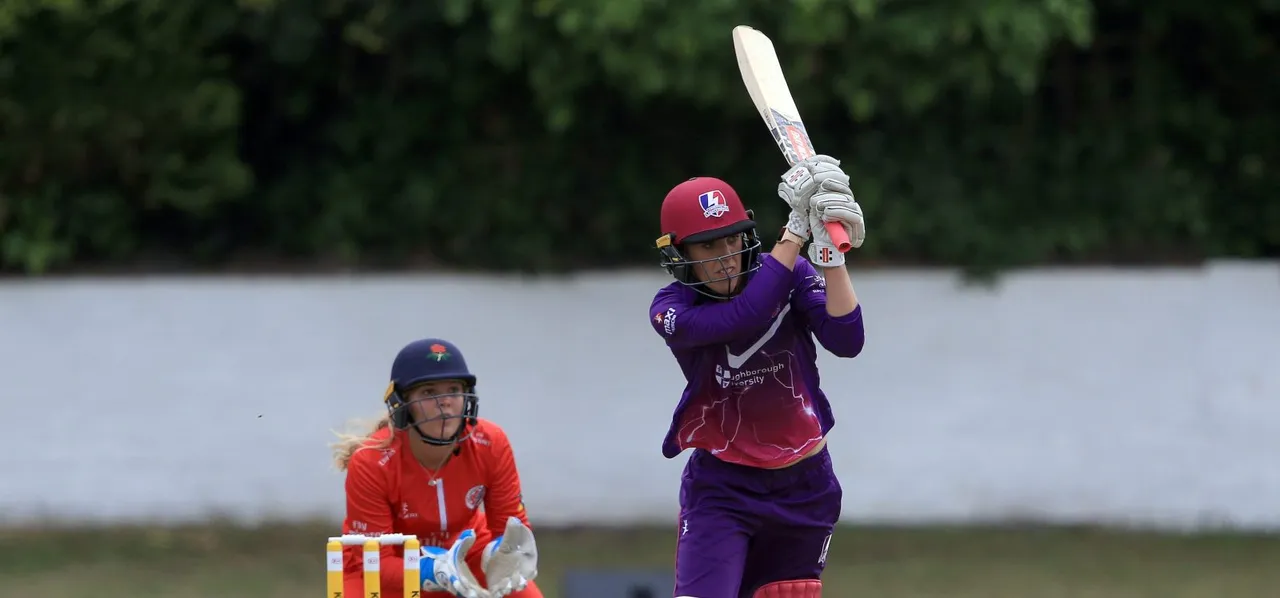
x,y
542,134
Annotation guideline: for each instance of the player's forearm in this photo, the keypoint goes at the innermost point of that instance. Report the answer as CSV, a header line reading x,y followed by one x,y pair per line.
x,y
841,298
843,336
787,249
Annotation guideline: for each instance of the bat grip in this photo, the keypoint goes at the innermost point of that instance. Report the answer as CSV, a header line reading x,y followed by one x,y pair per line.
x,y
838,237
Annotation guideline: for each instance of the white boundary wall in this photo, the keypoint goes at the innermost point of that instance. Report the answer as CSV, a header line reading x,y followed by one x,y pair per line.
x,y
1148,397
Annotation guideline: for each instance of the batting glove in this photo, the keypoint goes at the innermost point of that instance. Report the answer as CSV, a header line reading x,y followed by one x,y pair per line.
x,y
834,202
833,206
798,186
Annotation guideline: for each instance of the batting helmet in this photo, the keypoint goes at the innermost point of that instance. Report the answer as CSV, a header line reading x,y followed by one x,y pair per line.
x,y
703,209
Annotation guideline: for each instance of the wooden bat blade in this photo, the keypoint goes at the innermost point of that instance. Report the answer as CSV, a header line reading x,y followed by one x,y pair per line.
x,y
762,75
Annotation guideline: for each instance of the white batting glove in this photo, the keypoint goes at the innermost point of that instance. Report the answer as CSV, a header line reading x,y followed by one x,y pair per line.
x,y
839,207
822,251
798,186
449,569
510,561
834,202
794,189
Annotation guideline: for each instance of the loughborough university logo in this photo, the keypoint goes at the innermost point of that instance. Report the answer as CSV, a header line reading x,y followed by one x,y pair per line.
x,y
724,376
713,204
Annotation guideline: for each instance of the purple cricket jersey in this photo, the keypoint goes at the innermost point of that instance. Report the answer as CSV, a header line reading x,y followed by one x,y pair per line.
x,y
752,395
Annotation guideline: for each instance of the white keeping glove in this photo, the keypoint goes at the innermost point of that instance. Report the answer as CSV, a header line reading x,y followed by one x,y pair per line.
x,y
834,203
510,561
449,570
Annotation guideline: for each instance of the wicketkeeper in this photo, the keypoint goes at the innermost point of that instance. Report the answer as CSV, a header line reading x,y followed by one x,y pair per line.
x,y
426,469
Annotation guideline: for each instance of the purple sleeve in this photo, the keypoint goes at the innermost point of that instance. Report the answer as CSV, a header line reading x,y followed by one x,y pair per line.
x,y
685,325
842,336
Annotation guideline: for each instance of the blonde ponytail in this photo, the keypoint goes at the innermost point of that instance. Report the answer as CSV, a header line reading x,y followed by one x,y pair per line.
x,y
348,444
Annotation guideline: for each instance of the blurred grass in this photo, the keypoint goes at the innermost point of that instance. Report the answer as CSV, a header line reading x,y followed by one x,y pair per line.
x,y
278,561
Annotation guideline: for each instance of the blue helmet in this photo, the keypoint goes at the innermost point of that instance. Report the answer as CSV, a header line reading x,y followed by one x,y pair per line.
x,y
423,361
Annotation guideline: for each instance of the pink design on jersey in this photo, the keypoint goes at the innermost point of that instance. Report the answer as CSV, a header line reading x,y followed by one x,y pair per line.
x,y
759,415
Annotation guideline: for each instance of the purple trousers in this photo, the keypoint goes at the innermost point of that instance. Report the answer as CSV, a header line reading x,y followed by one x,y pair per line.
x,y
742,527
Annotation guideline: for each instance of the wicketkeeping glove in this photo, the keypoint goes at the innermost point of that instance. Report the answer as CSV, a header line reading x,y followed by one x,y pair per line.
x,y
448,570
510,561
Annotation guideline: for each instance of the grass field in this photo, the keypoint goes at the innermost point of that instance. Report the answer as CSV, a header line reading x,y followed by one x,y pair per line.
x,y
288,561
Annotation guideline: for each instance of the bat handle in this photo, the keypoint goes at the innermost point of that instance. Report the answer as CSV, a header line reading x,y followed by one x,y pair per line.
x,y
838,237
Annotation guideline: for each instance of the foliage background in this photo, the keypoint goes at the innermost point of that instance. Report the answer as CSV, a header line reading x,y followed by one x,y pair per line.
x,y
541,135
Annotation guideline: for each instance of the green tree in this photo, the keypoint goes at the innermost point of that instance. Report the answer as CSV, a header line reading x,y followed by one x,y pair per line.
x,y
542,135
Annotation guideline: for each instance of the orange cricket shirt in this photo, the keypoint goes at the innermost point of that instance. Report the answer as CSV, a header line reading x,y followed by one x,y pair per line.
x,y
388,491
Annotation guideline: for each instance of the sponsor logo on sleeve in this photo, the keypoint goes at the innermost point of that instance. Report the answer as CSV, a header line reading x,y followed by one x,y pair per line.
x,y
668,321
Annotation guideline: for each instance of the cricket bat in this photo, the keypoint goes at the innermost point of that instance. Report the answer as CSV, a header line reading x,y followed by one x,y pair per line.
x,y
762,74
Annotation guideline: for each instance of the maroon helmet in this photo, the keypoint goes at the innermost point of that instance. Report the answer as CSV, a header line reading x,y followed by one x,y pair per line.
x,y
703,209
